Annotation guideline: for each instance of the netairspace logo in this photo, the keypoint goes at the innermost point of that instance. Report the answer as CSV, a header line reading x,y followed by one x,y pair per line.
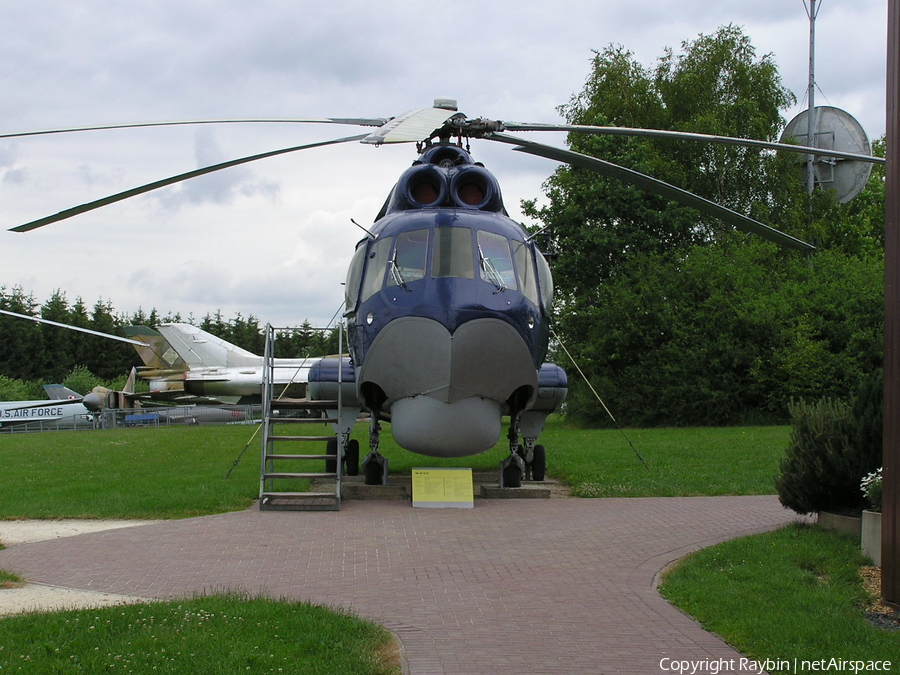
x,y
794,666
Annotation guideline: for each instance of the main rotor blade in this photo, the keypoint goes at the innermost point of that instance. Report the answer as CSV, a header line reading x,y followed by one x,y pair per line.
x,y
90,206
685,135
655,186
80,330
359,122
413,125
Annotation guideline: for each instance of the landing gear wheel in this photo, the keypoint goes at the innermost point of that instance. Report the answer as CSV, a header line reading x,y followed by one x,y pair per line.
x,y
512,476
374,472
331,449
523,453
351,458
539,463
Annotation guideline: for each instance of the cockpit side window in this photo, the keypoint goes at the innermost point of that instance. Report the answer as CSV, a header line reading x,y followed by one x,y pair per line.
x,y
408,262
496,261
354,276
546,282
376,267
453,253
525,265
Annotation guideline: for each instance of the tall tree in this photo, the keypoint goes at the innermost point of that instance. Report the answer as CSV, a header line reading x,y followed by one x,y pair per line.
x,y
57,342
21,346
716,86
676,318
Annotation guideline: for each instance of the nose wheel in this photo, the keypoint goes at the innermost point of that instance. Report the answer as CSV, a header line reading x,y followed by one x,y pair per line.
x,y
375,465
525,462
538,464
512,471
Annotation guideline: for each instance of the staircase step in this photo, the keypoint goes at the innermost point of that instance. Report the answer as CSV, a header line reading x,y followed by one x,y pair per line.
x,y
318,439
299,501
291,474
298,495
302,404
301,457
302,420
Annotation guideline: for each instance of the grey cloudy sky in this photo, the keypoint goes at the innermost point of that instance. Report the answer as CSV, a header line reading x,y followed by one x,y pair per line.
x,y
272,239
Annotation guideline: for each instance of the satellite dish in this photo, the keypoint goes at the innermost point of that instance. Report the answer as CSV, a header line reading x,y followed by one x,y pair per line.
x,y
835,129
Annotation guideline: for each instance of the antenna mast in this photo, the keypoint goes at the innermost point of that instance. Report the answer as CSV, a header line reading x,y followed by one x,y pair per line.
x,y
812,10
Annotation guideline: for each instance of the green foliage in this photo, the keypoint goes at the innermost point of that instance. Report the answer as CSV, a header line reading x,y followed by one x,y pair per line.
x,y
716,85
834,447
17,390
694,340
822,468
791,593
81,380
674,318
21,344
868,415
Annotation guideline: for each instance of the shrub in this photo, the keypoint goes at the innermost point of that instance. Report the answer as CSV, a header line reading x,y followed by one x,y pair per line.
x,y
869,418
821,470
17,390
81,380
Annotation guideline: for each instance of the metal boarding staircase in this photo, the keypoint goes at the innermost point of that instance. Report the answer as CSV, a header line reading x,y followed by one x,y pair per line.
x,y
284,466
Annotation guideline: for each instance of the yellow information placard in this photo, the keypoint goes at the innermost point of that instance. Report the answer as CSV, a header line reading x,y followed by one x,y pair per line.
x,y
443,488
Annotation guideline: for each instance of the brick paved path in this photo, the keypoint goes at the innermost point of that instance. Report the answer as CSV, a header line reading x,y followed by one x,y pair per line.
x,y
559,587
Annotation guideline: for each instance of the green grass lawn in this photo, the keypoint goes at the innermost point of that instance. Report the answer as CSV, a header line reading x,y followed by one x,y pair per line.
x,y
793,593
219,634
679,462
170,472
177,472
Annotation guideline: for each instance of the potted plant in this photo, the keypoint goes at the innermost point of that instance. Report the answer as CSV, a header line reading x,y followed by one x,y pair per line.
x,y
871,519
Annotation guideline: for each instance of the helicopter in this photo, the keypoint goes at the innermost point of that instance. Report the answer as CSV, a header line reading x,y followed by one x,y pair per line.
x,y
448,299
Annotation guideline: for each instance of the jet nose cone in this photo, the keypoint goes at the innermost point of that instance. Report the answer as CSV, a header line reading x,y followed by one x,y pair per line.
x,y
92,402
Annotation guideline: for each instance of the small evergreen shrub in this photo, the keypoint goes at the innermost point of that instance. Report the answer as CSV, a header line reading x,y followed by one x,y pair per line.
x,y
820,471
833,447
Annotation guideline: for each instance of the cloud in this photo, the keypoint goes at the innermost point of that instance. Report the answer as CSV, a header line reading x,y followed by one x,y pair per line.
x,y
221,187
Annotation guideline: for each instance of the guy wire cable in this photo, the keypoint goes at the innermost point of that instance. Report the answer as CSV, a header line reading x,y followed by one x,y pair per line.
x,y
594,391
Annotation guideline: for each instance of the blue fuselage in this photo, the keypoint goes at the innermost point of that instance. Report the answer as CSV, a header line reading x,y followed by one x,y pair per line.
x,y
447,304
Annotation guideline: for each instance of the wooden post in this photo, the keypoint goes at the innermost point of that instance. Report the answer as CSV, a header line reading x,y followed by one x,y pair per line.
x,y
890,527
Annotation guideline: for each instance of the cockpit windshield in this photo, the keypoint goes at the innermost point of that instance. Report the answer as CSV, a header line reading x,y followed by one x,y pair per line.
x,y
496,260
507,264
409,261
453,253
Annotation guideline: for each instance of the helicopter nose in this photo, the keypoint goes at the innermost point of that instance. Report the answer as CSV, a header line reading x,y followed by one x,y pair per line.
x,y
414,356
446,391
